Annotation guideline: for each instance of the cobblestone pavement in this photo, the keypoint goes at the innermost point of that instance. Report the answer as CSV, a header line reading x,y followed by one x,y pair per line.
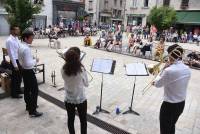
x,y
116,93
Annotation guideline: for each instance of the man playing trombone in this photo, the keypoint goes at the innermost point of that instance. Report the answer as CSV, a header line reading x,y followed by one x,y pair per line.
x,y
174,78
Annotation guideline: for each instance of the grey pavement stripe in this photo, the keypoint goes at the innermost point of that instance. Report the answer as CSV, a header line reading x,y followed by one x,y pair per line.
x,y
102,124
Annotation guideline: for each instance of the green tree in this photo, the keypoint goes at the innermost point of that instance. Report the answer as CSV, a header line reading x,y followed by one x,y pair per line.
x,y
162,17
20,12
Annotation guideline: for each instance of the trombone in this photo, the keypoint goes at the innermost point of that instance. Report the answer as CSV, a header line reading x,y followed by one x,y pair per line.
x,y
155,70
61,55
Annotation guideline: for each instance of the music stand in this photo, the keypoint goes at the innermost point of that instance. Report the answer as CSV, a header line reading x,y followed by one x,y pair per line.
x,y
103,66
135,69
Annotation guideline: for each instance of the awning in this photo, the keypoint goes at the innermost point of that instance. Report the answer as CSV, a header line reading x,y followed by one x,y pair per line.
x,y
136,15
188,17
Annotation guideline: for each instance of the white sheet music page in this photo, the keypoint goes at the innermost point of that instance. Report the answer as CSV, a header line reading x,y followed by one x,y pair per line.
x,y
136,69
102,65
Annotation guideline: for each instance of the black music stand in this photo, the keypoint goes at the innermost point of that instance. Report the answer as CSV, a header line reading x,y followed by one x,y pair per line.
x,y
135,69
103,66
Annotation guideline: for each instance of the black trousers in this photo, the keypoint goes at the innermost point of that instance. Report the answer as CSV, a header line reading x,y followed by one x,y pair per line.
x,y
16,80
169,114
82,112
30,89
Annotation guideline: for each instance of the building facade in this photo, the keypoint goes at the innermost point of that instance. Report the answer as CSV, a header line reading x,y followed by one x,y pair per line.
x,y
4,26
53,11
44,18
138,10
68,10
105,11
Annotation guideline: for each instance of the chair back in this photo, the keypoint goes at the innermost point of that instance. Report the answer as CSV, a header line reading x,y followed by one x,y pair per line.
x,y
5,53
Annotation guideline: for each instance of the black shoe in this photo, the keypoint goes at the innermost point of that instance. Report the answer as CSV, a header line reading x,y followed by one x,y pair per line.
x,y
17,97
35,114
27,107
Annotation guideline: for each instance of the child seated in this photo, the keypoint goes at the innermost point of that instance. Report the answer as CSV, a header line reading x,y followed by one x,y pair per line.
x,y
87,41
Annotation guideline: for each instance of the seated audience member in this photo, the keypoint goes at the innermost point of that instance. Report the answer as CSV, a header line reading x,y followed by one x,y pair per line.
x,y
138,46
147,46
54,38
87,41
194,59
118,40
109,39
131,42
160,49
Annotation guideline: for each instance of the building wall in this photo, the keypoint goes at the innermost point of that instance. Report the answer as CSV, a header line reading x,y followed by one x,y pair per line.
x,y
47,10
4,26
94,11
193,4
140,9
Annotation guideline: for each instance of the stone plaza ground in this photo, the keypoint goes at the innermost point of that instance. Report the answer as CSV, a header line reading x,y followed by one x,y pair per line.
x,y
116,93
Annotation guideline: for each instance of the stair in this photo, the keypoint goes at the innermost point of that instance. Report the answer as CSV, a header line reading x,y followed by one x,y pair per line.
x,y
3,94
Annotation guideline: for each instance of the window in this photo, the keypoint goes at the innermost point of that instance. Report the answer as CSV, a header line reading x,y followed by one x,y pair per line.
x,y
115,2
90,5
121,3
146,3
38,2
184,3
166,2
134,3
106,4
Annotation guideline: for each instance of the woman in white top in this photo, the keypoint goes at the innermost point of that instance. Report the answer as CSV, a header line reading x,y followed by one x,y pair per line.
x,y
75,81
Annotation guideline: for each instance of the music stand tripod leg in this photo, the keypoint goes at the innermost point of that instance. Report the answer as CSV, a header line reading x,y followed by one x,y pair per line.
x,y
99,108
130,110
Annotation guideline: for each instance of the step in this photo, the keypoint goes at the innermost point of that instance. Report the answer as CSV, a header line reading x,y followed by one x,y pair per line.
x,y
3,94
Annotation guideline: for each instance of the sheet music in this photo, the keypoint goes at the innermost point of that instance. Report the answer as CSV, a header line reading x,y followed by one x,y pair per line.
x,y
136,69
102,65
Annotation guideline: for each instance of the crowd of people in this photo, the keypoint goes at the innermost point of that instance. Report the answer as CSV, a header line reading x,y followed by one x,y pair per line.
x,y
75,77
64,31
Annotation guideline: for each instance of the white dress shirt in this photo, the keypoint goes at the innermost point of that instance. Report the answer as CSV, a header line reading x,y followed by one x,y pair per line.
x,y
175,79
75,87
12,46
25,57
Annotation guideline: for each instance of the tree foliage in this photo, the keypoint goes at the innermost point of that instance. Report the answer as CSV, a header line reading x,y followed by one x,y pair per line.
x,y
162,17
20,12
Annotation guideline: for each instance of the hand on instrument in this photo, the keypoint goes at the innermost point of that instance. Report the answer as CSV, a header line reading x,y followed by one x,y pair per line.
x,y
167,65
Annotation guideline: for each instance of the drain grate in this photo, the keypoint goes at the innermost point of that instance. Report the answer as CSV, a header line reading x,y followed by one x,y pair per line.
x,y
102,124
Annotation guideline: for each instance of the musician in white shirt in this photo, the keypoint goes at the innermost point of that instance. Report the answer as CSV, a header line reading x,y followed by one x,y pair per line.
x,y
30,82
174,78
75,81
12,46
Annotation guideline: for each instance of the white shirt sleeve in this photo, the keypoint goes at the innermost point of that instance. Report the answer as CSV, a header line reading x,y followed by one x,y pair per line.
x,y
28,60
10,49
161,79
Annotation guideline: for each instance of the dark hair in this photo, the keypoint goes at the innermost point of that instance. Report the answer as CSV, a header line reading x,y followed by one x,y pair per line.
x,y
12,27
26,34
73,64
76,49
175,54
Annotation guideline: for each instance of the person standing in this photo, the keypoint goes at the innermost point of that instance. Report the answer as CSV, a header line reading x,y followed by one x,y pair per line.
x,y
30,82
12,46
75,80
174,78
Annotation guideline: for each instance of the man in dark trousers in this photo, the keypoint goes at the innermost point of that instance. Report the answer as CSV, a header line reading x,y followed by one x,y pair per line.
x,y
12,45
174,78
30,82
